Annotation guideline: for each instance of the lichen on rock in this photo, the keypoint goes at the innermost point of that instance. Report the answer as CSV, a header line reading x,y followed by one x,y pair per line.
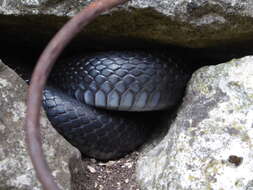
x,y
209,145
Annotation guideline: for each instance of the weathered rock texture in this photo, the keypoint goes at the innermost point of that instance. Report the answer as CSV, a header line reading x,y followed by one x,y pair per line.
x,y
16,170
209,145
195,23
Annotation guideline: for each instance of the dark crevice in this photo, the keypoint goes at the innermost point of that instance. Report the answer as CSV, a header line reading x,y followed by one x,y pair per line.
x,y
21,55
21,50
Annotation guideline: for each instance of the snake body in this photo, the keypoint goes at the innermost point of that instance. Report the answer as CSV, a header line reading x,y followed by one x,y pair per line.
x,y
84,92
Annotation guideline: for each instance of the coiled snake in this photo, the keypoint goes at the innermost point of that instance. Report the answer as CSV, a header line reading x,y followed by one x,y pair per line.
x,y
84,92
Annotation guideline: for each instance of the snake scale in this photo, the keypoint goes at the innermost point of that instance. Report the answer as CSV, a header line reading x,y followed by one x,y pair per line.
x,y
101,102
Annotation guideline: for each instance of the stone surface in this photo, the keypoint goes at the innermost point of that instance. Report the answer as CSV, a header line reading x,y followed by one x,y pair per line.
x,y
209,145
16,170
195,23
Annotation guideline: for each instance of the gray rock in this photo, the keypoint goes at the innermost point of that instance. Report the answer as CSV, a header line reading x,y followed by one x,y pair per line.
x,y
195,23
16,170
209,145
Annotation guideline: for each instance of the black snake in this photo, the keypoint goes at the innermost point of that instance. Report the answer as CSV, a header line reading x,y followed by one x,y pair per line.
x,y
89,99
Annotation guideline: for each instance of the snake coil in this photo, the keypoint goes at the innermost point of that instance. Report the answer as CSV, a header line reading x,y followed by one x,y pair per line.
x,y
95,101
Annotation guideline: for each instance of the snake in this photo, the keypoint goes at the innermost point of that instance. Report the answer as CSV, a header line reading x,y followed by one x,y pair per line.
x,y
104,103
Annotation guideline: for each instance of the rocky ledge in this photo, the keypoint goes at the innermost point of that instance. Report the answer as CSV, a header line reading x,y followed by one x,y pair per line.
x,y
195,23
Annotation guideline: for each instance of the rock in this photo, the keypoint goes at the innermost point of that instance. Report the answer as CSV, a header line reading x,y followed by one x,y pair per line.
x,y
16,170
209,145
195,23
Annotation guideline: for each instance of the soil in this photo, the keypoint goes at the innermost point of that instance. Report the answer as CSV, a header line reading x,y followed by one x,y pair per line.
x,y
89,174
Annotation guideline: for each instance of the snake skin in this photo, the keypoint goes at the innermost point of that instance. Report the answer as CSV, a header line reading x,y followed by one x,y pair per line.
x,y
96,133
125,81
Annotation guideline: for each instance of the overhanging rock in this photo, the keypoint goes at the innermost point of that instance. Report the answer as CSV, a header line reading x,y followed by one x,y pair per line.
x,y
196,23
